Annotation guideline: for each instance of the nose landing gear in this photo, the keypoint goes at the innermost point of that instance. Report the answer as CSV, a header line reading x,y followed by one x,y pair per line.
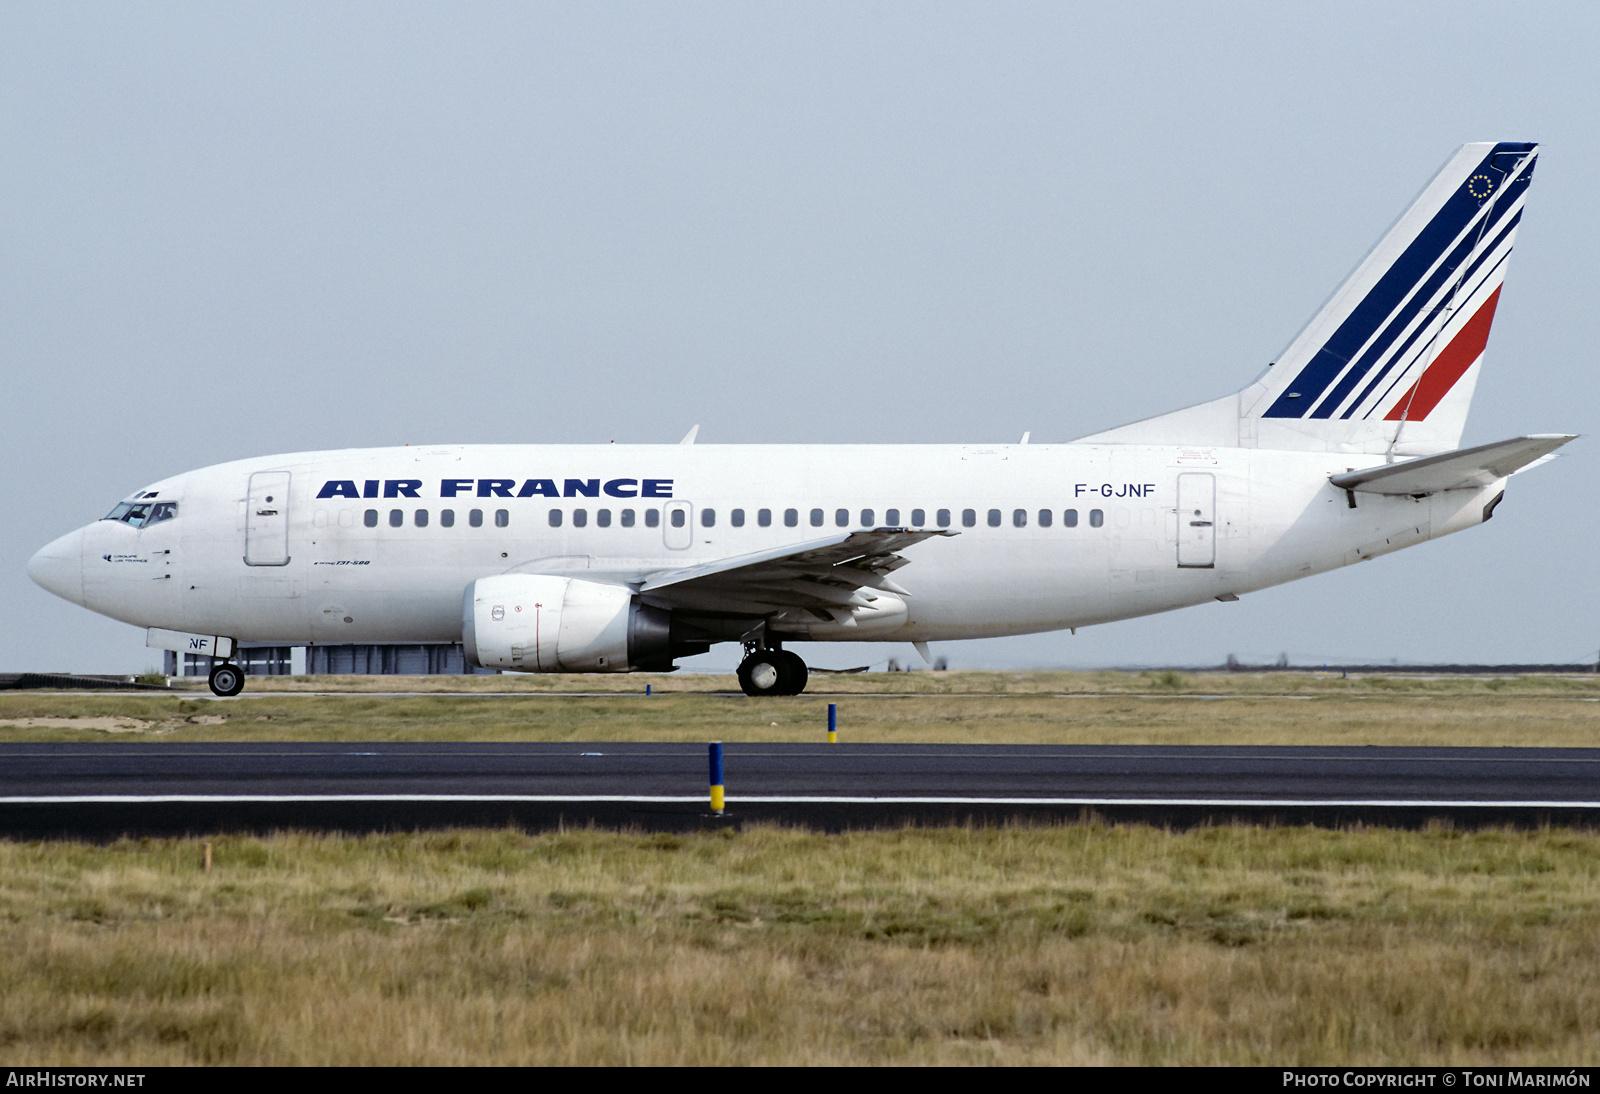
x,y
772,672
227,679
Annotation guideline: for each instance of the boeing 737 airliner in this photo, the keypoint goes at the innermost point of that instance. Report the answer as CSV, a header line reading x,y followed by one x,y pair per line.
x,y
610,558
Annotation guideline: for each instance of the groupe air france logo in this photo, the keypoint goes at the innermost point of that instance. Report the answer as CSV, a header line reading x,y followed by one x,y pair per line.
x,y
1480,186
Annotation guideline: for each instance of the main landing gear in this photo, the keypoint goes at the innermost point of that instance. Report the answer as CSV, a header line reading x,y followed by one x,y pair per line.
x,y
772,672
227,679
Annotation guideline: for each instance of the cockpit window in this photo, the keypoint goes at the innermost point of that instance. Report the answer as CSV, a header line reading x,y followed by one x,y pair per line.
x,y
141,513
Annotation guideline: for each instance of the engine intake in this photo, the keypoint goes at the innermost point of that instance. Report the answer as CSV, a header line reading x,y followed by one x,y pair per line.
x,y
541,623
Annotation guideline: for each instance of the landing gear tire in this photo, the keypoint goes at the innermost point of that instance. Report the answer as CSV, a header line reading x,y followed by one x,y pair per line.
x,y
772,672
797,672
763,673
227,680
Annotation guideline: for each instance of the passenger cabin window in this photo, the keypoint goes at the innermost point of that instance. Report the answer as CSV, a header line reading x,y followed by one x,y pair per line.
x,y
994,518
397,517
764,517
371,518
944,518
1070,518
918,518
627,518
791,518
841,517
502,517
1019,518
677,518
866,518
816,518
602,518
736,517
1045,517
969,518
652,518
1097,517
420,518
580,518
708,518
447,518
475,518
891,517
555,518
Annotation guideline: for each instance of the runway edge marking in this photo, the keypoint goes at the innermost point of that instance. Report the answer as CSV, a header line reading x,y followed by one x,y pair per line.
x,y
1389,803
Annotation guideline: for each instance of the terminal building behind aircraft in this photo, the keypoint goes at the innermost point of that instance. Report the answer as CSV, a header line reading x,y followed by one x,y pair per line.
x,y
607,558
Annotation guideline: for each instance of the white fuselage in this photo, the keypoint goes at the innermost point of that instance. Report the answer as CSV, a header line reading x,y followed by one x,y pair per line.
x,y
579,558
308,569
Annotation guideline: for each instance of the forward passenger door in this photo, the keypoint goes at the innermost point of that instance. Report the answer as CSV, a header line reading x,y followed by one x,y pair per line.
x,y
266,537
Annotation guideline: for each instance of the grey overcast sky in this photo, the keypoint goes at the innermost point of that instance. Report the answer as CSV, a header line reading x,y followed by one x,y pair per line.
x,y
230,230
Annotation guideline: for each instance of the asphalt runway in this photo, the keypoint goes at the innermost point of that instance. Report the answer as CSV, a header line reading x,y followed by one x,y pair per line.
x,y
105,791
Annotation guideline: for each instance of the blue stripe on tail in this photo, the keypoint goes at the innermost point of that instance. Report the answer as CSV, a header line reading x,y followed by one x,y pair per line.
x,y
1442,276
1427,325
1320,373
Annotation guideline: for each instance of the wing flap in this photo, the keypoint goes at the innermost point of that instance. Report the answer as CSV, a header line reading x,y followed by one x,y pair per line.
x,y
816,575
1464,469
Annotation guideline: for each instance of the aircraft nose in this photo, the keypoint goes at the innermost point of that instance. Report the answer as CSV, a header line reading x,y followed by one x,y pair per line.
x,y
58,567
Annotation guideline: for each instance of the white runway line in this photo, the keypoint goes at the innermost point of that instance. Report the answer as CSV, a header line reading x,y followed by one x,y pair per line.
x,y
240,799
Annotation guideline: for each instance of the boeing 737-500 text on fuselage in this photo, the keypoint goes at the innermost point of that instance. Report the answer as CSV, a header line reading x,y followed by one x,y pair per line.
x,y
610,558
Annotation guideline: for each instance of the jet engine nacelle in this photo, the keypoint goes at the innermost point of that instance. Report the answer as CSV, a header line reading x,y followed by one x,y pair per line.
x,y
541,623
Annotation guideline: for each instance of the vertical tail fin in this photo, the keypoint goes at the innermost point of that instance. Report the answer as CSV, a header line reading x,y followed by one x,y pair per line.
x,y
1390,362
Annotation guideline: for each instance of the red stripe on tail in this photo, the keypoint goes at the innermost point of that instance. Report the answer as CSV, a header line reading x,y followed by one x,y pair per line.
x,y
1465,348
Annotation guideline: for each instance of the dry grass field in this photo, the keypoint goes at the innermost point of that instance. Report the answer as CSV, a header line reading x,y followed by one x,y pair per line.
x,y
975,707
1074,944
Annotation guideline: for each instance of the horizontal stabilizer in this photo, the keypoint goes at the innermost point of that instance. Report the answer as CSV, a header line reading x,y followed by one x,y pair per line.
x,y
1465,469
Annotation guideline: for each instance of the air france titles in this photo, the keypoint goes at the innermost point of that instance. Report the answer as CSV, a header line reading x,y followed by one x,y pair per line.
x,y
499,488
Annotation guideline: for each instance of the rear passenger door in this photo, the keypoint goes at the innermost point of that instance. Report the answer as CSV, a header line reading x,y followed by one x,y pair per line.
x,y
1197,532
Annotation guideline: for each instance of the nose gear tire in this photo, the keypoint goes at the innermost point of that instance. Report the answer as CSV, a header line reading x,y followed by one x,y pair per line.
x,y
227,680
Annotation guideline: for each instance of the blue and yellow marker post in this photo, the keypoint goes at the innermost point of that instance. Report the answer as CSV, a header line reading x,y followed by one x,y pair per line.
x,y
833,723
716,777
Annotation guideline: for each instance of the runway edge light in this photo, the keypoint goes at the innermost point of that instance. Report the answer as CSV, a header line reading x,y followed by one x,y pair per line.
x,y
716,777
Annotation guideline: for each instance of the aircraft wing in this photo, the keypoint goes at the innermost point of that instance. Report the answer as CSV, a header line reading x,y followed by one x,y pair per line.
x,y
816,575
1464,469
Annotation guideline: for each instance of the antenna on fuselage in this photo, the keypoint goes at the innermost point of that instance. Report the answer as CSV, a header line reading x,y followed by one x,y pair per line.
x,y
688,438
